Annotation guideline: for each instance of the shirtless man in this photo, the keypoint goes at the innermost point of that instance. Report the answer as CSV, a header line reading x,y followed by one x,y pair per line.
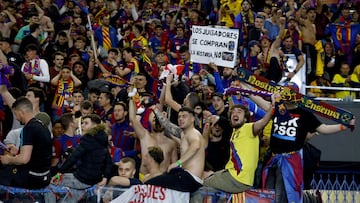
x,y
153,160
183,175
306,19
150,139
5,25
270,57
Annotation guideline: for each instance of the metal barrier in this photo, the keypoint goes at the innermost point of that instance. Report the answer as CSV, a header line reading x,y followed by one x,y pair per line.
x,y
106,194
49,194
337,186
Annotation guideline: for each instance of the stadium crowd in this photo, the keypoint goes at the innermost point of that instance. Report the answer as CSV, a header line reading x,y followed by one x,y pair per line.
x,y
94,66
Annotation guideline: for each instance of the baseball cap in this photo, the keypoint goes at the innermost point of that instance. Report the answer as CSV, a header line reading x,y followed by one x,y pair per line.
x,y
44,118
252,43
218,94
6,39
292,86
265,37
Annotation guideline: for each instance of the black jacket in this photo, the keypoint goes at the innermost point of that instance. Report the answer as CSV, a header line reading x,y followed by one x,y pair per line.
x,y
91,156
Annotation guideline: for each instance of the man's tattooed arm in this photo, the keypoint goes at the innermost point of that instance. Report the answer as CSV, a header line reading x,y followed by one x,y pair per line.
x,y
170,128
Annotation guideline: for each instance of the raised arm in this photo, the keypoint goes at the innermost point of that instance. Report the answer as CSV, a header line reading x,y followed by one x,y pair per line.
x,y
262,103
139,130
55,80
38,9
76,80
11,18
161,98
102,68
260,124
90,72
276,44
168,96
134,13
49,25
170,128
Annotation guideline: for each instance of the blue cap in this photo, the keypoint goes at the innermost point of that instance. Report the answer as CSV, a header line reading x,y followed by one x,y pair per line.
x,y
252,43
292,86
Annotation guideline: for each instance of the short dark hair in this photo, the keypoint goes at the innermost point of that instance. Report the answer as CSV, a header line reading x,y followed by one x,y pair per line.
x,y
287,37
187,109
86,104
32,14
33,27
15,92
127,160
193,99
139,27
57,121
38,93
310,9
32,47
183,49
116,51
141,74
78,91
65,67
94,118
73,55
108,95
62,33
344,63
244,108
82,38
94,90
57,53
130,50
82,63
250,2
66,119
123,104
158,26
22,103
156,153
180,25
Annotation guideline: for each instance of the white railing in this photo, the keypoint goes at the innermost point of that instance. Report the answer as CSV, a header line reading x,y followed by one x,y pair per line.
x,y
334,89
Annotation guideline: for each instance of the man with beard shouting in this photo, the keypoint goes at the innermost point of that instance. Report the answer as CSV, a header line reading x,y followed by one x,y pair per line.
x,y
239,172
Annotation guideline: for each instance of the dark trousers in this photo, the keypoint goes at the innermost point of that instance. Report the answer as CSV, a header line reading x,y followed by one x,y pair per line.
x,y
310,61
274,73
177,179
275,181
18,176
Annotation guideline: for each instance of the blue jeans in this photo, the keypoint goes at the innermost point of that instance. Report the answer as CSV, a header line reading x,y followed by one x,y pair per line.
x,y
275,181
77,188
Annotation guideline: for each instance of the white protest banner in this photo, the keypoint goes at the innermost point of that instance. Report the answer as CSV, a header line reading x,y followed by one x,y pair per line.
x,y
217,45
151,194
